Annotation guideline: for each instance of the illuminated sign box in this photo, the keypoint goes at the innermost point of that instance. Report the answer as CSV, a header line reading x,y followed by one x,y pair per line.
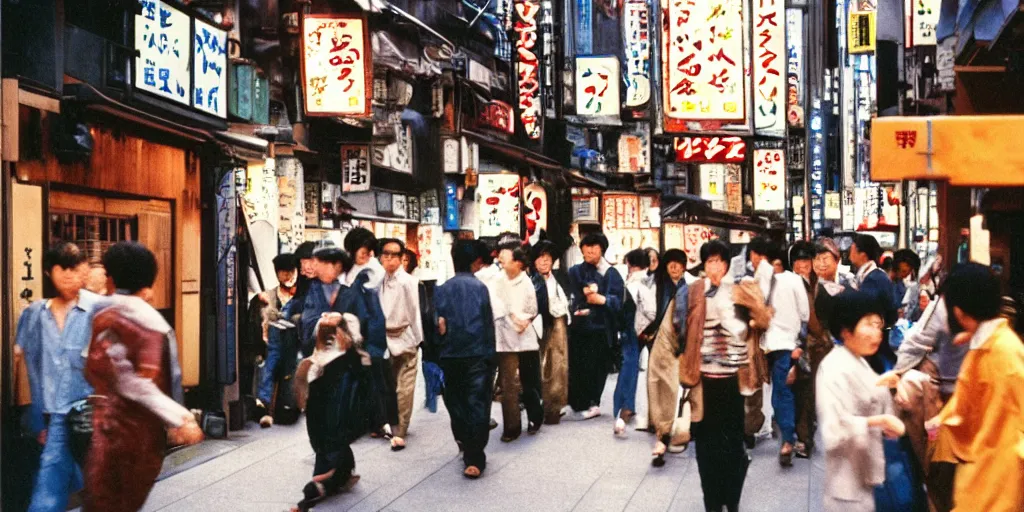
x,y
769,63
336,66
528,66
597,86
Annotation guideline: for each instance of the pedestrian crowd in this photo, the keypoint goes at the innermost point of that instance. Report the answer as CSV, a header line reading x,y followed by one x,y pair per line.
x,y
913,382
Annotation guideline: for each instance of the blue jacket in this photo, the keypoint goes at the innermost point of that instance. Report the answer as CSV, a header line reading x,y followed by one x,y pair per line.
x,y
358,300
465,305
607,317
877,284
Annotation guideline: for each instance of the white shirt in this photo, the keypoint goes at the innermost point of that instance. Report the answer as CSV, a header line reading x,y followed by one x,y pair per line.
x,y
792,310
521,301
489,275
863,272
645,298
763,275
558,304
400,301
376,273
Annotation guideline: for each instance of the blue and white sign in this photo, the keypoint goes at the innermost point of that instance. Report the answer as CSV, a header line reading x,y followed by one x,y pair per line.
x,y
209,70
162,37
817,183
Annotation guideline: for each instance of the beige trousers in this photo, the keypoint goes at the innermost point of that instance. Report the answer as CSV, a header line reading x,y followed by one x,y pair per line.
x,y
554,373
403,369
663,377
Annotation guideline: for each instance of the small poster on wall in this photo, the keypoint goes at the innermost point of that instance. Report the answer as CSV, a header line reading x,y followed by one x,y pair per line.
x,y
694,237
498,204
398,205
355,168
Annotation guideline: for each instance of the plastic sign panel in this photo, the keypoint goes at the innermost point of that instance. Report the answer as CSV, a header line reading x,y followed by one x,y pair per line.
x,y
795,67
355,168
597,86
336,67
498,115
710,149
704,60
925,16
861,32
769,179
769,67
209,70
528,66
636,24
497,197
163,40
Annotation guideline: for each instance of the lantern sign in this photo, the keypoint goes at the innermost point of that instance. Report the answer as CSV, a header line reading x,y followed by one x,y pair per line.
x,y
861,32
636,23
769,61
355,168
704,60
162,38
209,70
925,16
528,66
769,179
336,67
710,149
795,67
498,115
597,86
535,211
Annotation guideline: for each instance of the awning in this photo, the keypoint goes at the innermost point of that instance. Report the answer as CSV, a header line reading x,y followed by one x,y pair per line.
x,y
512,151
982,151
690,209
93,100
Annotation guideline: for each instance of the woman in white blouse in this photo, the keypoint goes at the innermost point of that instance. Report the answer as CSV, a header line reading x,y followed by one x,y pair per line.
x,y
518,346
854,412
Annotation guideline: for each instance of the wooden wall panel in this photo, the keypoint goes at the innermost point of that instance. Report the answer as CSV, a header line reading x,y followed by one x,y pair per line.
x,y
26,233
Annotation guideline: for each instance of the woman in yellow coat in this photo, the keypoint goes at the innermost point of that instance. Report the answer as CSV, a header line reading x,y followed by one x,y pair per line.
x,y
981,428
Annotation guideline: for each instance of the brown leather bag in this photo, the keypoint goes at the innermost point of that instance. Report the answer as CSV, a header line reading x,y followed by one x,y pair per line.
x,y
693,336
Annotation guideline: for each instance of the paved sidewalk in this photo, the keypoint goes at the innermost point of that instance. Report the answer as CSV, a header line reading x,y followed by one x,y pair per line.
x,y
572,466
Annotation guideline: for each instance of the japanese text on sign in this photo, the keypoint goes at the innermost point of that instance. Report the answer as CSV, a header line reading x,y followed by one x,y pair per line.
x,y
769,179
817,185
704,60
162,40
597,86
209,71
636,24
498,115
355,168
335,59
906,138
925,18
498,201
795,67
710,149
398,154
861,32
769,59
527,65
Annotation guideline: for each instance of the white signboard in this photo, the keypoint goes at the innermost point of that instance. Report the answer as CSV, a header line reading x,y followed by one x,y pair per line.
x,y
497,198
925,17
335,60
770,67
597,86
712,184
163,40
769,179
210,71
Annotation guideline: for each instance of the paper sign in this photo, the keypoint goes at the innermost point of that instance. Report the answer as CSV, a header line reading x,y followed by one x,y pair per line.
x,y
769,179
335,65
163,40
497,197
355,168
597,86
769,64
209,70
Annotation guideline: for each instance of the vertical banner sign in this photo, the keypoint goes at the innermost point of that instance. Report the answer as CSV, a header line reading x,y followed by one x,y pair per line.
x,y
209,70
336,67
769,179
597,86
584,27
817,184
769,61
861,33
636,24
712,185
162,36
355,168
926,18
528,66
733,188
704,61
833,210
795,67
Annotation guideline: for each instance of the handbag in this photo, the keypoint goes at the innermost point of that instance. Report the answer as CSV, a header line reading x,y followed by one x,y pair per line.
x,y
79,425
681,425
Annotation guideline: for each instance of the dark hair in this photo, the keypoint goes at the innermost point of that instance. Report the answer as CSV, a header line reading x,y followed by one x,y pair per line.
x,y
509,240
802,250
464,254
716,248
661,277
868,245
760,245
305,250
333,255
483,251
360,238
975,290
544,247
910,258
66,255
130,265
775,252
849,307
597,238
638,258
285,262
414,259
649,250
518,254
385,241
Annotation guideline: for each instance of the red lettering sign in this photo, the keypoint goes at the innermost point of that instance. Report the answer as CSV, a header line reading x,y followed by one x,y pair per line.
x,y
528,66
906,139
710,149
498,115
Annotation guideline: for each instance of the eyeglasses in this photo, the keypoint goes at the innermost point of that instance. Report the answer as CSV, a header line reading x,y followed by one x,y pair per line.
x,y
391,254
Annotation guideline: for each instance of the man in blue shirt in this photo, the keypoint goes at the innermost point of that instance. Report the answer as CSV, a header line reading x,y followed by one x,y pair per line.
x,y
465,349
597,291
52,335
864,253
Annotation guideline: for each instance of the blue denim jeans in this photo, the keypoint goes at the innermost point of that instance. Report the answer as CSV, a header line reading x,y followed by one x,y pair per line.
x,y
270,371
625,387
59,475
783,401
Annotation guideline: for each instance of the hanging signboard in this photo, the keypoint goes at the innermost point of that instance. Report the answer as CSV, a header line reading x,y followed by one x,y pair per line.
x,y
833,210
817,181
209,70
451,205
712,184
633,153
336,67
621,211
636,23
795,67
528,66
769,63
535,211
585,208
733,189
163,39
769,179
497,197
925,17
498,115
597,86
861,32
710,149
355,168
397,155
704,60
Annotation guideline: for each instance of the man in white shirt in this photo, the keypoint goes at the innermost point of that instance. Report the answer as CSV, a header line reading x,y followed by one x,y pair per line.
x,y
400,301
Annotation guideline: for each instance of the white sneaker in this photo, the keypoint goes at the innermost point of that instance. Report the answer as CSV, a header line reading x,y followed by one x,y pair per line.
x,y
592,413
620,427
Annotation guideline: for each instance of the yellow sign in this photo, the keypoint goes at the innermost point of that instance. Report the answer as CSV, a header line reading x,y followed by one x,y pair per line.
x,y
860,32
966,150
336,67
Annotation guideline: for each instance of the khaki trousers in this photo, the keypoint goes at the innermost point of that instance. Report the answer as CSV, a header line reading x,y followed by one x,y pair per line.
x,y
554,374
403,371
663,378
